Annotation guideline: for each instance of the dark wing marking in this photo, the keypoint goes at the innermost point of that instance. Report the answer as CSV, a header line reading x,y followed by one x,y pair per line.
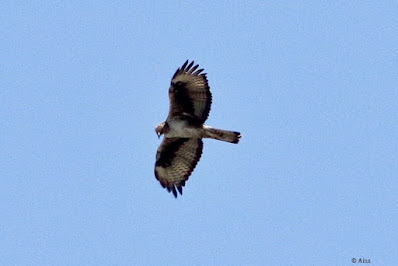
x,y
176,158
190,93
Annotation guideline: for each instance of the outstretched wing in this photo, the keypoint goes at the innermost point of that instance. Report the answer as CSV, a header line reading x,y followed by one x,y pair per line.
x,y
175,160
189,93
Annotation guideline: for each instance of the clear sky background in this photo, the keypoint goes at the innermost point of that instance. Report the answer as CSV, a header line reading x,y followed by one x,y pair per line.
x,y
312,86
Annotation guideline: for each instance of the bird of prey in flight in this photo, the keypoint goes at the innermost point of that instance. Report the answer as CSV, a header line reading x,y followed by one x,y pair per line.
x,y
184,128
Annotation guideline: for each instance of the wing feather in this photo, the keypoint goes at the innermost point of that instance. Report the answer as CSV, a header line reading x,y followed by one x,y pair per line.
x,y
176,158
189,93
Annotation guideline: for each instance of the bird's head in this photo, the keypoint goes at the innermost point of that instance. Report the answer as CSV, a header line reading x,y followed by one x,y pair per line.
x,y
159,129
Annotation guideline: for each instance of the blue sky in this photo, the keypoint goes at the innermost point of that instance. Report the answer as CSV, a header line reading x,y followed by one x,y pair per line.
x,y
312,86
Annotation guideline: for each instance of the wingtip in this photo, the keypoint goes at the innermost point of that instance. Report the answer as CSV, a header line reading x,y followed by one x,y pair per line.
x,y
174,190
179,188
190,65
184,65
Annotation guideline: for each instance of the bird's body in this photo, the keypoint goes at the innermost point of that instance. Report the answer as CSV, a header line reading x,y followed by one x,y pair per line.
x,y
181,148
182,128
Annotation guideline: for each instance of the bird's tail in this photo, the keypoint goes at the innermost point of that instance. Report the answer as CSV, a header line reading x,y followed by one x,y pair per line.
x,y
220,134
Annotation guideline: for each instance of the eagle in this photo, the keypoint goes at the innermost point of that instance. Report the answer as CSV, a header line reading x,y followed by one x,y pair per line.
x,y
184,128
